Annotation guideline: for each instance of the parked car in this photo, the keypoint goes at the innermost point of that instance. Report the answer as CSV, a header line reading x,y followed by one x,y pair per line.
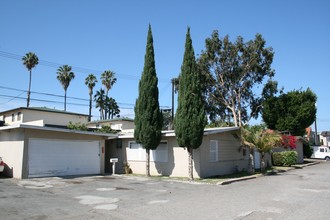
x,y
321,152
2,165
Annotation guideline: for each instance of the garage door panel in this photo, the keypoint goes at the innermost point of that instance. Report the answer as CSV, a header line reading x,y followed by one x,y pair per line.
x,y
61,157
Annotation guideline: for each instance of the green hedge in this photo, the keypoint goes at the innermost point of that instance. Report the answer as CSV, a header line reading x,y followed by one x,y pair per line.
x,y
308,151
285,158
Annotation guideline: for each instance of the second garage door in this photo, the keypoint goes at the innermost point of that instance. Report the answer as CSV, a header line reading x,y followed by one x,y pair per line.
x,y
49,157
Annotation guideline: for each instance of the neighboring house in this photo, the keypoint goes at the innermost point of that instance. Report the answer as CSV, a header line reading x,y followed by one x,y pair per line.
x,y
219,154
325,138
119,124
34,142
41,116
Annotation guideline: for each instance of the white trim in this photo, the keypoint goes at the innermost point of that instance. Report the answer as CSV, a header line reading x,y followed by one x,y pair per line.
x,y
171,133
15,126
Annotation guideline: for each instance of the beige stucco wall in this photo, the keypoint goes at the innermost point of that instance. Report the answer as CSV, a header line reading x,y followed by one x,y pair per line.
x,y
55,118
11,151
230,157
177,164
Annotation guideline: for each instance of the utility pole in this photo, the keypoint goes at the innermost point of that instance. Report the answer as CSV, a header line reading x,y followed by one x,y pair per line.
x,y
316,138
172,117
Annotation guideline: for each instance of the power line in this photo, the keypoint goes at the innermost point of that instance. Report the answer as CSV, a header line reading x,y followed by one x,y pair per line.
x,y
75,68
55,102
61,96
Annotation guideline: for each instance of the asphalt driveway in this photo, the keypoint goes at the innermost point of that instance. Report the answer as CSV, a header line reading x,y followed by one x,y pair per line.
x,y
297,194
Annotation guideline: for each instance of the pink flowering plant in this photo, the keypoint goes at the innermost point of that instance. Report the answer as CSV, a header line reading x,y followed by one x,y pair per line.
x,y
288,141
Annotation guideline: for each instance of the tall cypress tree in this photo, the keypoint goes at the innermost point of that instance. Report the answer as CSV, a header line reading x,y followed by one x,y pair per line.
x,y
148,117
190,118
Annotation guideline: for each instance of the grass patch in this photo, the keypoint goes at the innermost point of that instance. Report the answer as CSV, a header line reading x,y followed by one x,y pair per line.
x,y
216,179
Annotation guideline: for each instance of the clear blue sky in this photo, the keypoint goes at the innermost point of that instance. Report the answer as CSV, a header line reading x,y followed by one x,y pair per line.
x,y
93,36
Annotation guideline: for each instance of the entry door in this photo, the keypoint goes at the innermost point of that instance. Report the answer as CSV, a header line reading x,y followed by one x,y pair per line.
x,y
47,157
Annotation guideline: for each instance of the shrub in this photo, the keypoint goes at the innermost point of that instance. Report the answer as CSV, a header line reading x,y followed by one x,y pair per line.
x,y
307,149
285,158
277,158
77,126
289,158
106,129
288,141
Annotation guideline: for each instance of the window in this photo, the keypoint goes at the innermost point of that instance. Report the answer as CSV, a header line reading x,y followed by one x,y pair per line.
x,y
322,149
213,157
19,116
12,117
136,152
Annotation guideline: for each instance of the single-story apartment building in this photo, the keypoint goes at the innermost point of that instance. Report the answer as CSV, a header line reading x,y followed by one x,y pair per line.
x,y
34,142
220,153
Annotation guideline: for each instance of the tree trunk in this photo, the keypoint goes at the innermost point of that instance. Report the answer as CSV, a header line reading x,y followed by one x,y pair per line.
x,y
148,162
90,107
262,162
64,100
251,163
190,163
234,117
239,118
29,91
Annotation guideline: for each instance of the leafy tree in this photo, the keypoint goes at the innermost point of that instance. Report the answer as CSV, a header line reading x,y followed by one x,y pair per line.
x,y
100,99
108,80
148,117
65,75
190,118
30,60
232,70
90,83
293,111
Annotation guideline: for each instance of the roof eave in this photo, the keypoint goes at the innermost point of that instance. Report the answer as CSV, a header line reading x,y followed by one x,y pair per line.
x,y
10,127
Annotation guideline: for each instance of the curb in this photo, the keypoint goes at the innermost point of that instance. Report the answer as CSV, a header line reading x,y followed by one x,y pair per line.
x,y
300,166
238,179
297,166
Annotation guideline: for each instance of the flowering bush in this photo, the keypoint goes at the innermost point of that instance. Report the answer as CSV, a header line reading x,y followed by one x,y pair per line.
x,y
288,141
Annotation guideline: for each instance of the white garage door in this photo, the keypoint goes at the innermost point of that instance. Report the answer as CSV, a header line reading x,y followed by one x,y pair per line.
x,y
62,157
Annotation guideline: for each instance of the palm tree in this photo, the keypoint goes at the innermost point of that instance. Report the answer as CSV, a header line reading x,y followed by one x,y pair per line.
x,y
64,75
90,83
100,99
261,140
30,60
111,108
108,79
